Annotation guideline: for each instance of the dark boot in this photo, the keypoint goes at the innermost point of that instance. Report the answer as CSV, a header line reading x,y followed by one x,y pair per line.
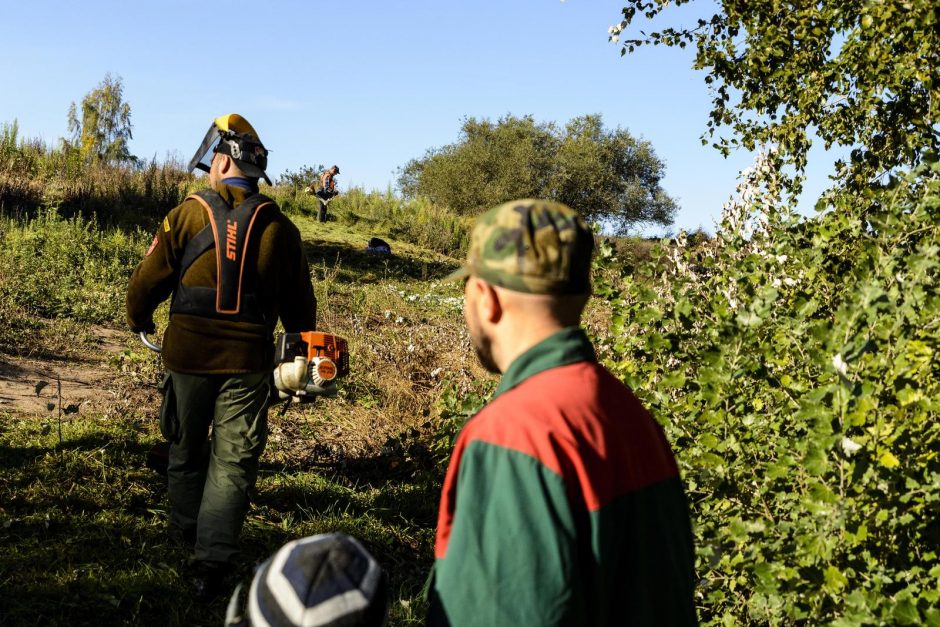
x,y
210,579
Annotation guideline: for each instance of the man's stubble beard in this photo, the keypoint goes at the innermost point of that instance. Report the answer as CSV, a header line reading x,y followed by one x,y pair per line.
x,y
483,346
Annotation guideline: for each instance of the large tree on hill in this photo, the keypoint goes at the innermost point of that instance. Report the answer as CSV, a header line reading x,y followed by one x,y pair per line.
x,y
861,75
101,128
609,176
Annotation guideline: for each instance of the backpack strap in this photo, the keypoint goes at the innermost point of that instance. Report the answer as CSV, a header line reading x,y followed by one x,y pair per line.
x,y
229,231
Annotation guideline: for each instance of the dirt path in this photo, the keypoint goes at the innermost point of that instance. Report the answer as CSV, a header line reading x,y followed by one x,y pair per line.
x,y
29,386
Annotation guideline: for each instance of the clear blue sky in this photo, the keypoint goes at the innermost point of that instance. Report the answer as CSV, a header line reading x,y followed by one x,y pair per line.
x,y
367,85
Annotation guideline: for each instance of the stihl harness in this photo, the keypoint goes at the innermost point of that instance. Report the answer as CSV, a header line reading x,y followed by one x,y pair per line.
x,y
229,230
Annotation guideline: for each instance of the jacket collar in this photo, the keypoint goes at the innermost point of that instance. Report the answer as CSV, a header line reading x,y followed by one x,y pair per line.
x,y
568,346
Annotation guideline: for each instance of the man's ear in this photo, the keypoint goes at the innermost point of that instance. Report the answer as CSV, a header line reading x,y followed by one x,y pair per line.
x,y
225,164
491,308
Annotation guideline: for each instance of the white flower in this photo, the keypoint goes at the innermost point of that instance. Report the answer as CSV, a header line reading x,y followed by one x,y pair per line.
x,y
781,258
777,283
388,314
789,282
399,319
411,348
611,30
436,372
614,39
841,367
850,447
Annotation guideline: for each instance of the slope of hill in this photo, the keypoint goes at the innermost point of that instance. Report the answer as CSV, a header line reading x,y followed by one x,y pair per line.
x,y
82,519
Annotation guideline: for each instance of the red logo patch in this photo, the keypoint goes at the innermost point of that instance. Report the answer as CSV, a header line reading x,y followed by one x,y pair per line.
x,y
153,245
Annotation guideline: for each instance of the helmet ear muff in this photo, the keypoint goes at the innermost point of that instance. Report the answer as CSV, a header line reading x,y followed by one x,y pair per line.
x,y
244,150
232,135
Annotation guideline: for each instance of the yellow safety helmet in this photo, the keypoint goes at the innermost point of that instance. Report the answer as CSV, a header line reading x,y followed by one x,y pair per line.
x,y
232,135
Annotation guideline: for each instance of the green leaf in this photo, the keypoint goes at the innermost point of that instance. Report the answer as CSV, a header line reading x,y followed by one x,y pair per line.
x,y
835,580
888,460
905,612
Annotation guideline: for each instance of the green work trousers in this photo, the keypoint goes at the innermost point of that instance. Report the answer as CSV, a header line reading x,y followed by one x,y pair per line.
x,y
209,479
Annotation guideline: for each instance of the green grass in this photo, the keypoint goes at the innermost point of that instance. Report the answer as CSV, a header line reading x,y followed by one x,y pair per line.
x,y
82,524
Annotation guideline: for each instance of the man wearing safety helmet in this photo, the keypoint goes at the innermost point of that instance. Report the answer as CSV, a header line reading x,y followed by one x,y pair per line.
x,y
233,264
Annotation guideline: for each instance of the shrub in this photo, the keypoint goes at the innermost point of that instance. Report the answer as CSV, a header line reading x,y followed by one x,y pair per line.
x,y
794,365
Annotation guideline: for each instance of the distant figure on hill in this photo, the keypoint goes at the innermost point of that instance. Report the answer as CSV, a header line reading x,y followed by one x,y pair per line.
x,y
562,504
327,190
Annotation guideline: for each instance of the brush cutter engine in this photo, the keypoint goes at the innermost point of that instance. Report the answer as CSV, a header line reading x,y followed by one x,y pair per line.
x,y
308,364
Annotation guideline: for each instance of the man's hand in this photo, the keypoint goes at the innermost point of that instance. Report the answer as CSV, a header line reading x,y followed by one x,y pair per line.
x,y
148,328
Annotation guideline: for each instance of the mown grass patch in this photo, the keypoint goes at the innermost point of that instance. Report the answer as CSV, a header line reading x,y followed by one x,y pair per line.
x,y
83,526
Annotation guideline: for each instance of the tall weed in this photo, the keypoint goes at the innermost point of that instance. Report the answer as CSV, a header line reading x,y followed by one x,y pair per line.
x,y
34,175
54,266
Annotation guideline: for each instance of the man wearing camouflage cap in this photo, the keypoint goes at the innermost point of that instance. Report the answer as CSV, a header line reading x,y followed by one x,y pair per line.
x,y
562,504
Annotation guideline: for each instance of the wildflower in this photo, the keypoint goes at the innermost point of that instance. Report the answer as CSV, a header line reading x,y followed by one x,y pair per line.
x,y
840,366
850,447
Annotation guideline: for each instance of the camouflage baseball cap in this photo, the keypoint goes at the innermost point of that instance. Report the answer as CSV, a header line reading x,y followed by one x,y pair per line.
x,y
534,246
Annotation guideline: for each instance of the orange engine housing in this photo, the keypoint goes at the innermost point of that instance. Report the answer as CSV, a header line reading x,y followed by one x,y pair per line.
x,y
313,344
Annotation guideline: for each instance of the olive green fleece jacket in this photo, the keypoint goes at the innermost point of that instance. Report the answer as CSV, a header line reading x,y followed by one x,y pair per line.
x,y
275,269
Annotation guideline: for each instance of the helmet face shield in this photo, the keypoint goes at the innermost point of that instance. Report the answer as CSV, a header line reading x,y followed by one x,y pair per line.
x,y
202,160
233,136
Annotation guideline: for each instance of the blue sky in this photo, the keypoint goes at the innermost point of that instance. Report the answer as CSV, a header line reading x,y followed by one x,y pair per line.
x,y
364,84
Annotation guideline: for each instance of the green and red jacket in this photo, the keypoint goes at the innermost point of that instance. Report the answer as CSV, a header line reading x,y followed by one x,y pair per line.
x,y
562,504
276,272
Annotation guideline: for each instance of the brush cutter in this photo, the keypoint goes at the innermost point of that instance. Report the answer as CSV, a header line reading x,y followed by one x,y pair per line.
x,y
307,365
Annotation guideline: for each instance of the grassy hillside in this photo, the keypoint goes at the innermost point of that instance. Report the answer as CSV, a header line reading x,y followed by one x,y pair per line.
x,y
82,520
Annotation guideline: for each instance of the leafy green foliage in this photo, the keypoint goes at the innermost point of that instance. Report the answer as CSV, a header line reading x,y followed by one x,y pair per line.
x,y
794,365
862,75
606,175
456,406
102,130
